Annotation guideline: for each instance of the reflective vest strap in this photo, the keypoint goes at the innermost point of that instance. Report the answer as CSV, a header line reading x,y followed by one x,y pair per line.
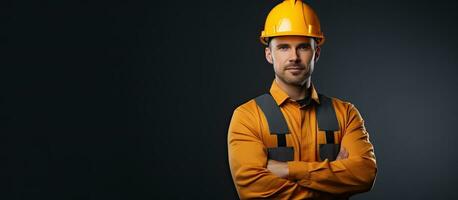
x,y
326,118
329,137
275,119
281,140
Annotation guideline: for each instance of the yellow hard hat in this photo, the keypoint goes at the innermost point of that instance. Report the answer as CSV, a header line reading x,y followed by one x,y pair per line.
x,y
292,17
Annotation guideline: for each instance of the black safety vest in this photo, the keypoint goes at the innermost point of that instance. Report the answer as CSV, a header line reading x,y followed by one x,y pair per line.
x,y
327,122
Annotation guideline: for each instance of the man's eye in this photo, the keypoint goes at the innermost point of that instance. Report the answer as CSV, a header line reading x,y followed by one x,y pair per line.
x,y
305,47
283,48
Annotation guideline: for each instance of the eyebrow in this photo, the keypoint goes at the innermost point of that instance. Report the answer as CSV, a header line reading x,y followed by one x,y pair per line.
x,y
287,45
305,44
282,45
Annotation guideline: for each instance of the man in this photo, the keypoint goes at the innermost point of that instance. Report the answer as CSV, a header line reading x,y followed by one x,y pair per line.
x,y
323,149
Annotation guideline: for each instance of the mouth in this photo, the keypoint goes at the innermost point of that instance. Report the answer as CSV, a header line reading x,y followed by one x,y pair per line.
x,y
294,68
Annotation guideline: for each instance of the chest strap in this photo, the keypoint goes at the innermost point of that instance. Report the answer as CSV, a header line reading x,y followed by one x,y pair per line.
x,y
277,126
326,117
327,122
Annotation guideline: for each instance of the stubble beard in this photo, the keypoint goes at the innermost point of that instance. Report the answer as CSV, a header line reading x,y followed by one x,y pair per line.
x,y
295,80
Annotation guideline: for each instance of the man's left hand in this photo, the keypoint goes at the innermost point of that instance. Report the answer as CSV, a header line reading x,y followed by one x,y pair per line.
x,y
278,168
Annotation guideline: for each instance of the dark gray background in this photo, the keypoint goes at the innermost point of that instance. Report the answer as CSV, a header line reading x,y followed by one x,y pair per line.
x,y
131,100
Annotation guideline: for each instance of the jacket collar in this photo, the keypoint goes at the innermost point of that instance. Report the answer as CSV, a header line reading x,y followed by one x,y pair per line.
x,y
280,96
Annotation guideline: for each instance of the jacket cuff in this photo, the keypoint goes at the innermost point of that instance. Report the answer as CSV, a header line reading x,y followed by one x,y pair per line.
x,y
298,171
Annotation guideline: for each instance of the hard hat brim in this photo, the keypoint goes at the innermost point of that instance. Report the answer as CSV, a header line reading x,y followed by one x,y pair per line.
x,y
265,39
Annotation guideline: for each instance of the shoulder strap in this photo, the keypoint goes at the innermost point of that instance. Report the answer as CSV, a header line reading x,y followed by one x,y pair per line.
x,y
277,126
327,121
326,115
274,116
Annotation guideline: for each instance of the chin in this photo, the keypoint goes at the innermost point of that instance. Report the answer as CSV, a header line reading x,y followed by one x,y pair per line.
x,y
297,82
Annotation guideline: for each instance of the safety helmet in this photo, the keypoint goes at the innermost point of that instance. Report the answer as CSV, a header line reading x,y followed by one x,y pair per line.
x,y
292,17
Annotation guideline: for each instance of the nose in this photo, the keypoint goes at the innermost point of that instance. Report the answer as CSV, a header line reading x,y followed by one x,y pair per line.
x,y
294,57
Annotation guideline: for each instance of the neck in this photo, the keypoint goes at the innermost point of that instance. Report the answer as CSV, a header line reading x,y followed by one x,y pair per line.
x,y
295,92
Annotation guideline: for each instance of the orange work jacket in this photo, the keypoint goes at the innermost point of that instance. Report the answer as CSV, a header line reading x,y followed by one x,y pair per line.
x,y
309,177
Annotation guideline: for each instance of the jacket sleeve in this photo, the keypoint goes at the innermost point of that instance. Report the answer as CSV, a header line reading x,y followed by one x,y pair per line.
x,y
349,176
248,161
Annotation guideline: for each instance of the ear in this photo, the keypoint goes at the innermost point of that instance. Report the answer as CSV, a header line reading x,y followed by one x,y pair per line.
x,y
268,52
317,53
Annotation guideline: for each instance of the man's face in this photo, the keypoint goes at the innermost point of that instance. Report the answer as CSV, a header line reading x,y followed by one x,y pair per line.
x,y
293,58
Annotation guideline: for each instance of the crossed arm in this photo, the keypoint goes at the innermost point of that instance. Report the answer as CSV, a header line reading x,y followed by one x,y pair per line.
x,y
281,170
257,177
